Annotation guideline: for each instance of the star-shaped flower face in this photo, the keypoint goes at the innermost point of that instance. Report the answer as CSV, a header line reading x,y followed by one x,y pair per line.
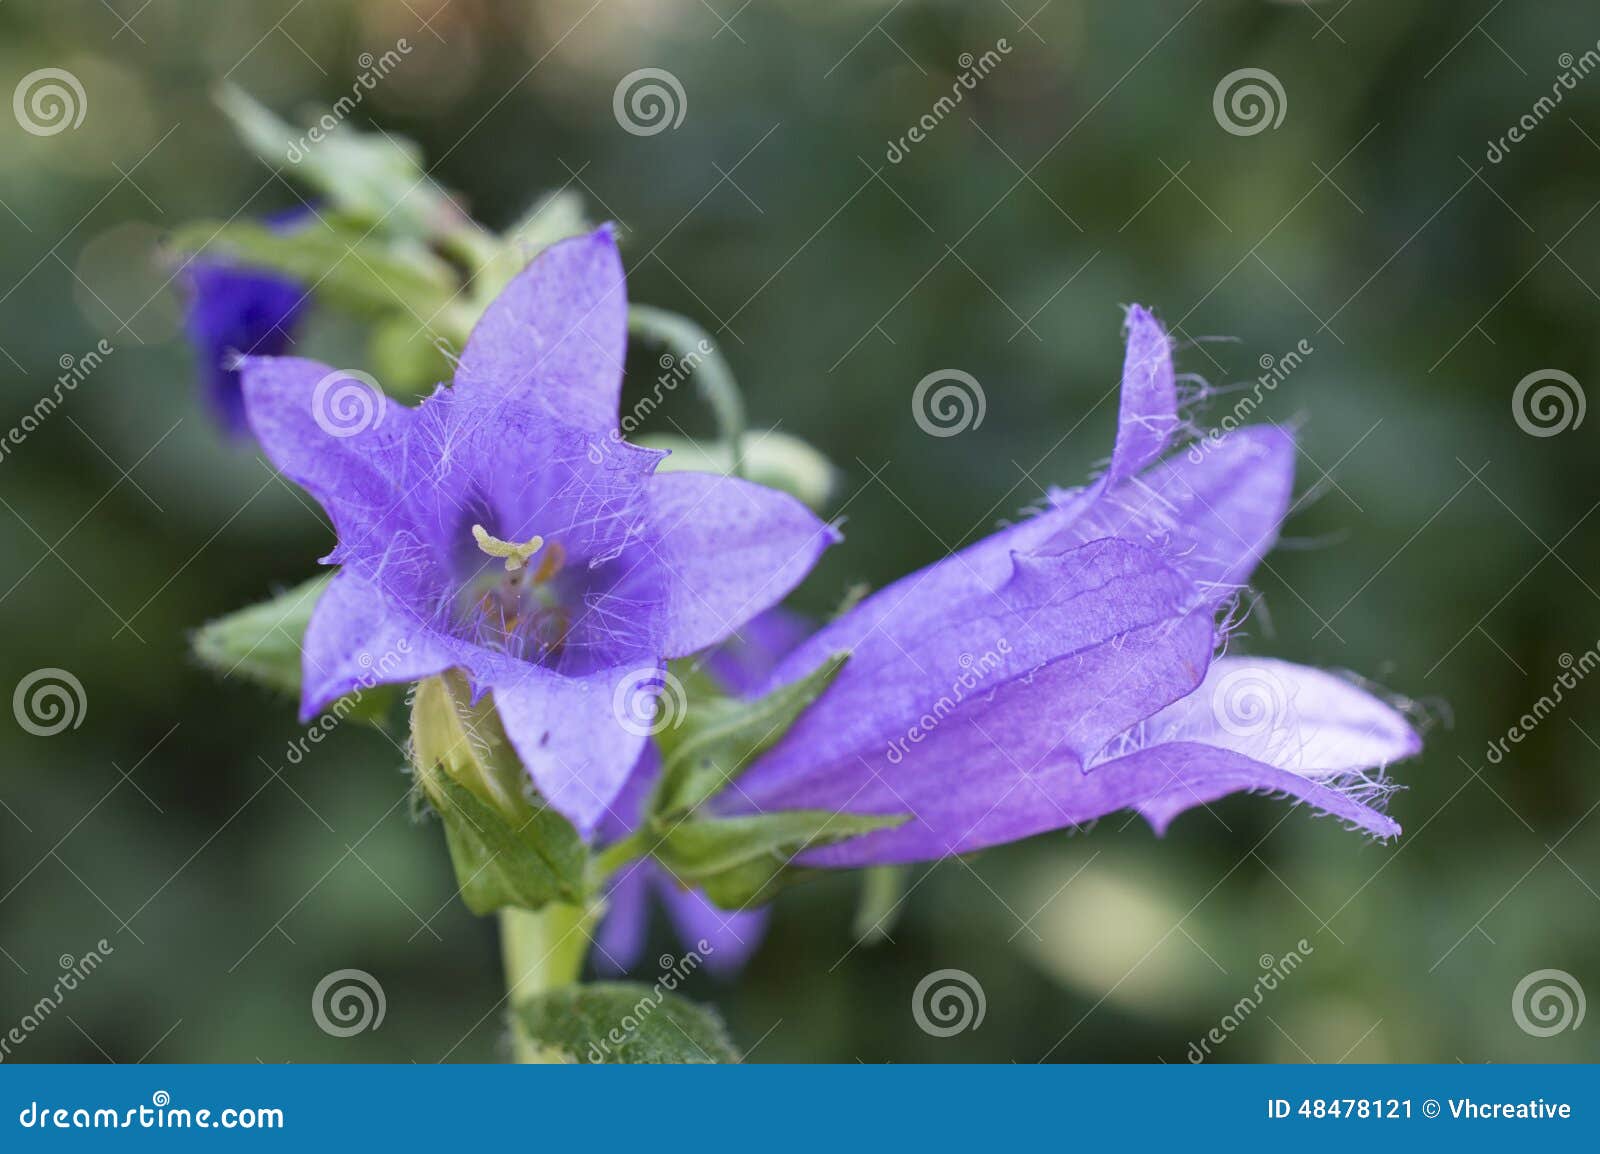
x,y
505,528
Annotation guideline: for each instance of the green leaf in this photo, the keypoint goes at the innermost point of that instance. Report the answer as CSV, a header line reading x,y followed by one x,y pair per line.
x,y
336,262
263,643
626,1022
374,178
721,736
509,848
769,458
742,861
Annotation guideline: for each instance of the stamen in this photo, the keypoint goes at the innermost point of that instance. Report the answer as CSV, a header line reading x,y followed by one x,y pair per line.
x,y
516,554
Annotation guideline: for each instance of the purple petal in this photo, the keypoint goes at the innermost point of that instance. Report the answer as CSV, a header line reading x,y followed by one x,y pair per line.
x,y
912,660
619,941
557,334
356,640
1288,716
578,736
728,550
724,939
1214,517
237,311
1147,415
1165,780
335,435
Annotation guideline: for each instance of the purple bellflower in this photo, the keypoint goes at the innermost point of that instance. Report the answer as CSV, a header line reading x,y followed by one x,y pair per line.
x,y
233,311
1062,669
729,937
504,528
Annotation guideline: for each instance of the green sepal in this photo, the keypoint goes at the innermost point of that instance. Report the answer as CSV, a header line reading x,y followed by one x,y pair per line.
x,y
721,736
336,261
509,848
625,1023
883,892
743,861
375,178
768,457
264,643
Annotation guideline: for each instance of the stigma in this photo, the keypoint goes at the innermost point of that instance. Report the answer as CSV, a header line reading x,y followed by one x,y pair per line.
x,y
515,553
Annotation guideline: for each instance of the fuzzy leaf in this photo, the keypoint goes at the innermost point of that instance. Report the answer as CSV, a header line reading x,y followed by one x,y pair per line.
x,y
263,644
334,260
721,736
625,1022
742,861
509,848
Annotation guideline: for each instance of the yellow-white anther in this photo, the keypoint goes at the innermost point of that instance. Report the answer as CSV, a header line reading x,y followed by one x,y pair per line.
x,y
515,553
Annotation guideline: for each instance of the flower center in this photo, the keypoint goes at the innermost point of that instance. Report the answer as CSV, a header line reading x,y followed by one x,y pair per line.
x,y
518,608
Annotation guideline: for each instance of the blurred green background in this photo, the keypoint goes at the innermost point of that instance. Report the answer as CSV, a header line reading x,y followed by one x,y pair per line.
x,y
1442,550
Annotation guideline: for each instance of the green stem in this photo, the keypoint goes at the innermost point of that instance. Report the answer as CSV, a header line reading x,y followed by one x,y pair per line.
x,y
543,950
691,344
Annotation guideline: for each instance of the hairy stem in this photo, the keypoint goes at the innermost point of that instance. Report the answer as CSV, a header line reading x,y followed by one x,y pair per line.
x,y
542,950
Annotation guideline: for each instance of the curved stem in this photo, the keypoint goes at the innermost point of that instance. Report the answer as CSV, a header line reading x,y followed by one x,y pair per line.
x,y
693,346
542,950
